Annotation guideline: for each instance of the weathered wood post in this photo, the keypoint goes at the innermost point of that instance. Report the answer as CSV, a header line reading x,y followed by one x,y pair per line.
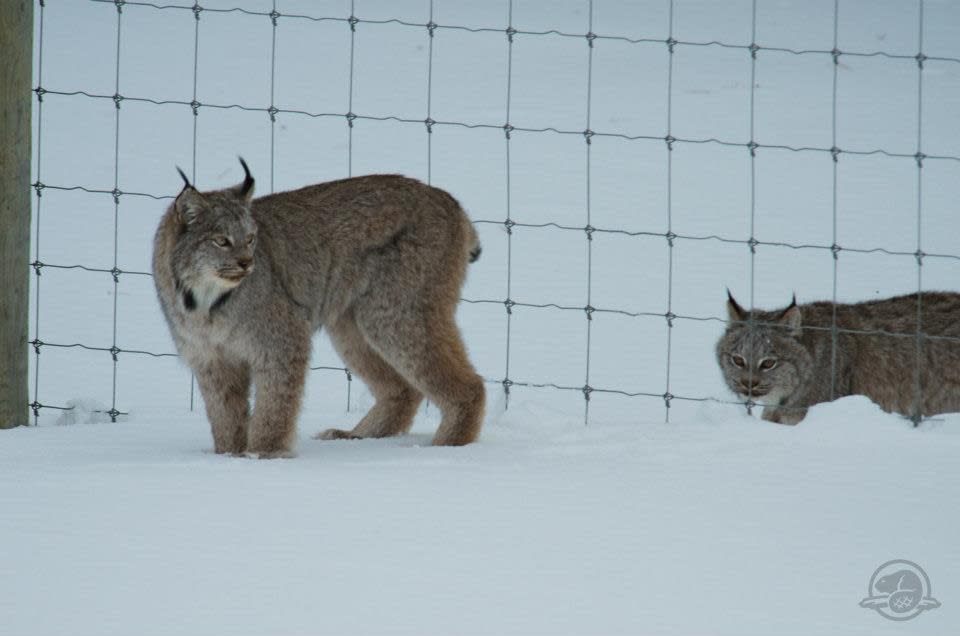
x,y
16,68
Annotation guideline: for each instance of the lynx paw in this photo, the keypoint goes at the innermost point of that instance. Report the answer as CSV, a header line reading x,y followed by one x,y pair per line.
x,y
336,433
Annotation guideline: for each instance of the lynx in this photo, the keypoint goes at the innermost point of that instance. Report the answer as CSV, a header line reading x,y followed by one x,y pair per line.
x,y
378,261
785,357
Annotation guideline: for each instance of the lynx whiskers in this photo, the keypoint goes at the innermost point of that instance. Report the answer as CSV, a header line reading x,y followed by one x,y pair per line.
x,y
378,261
785,359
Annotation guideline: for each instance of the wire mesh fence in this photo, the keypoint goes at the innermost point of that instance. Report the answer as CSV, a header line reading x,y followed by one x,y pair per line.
x,y
666,141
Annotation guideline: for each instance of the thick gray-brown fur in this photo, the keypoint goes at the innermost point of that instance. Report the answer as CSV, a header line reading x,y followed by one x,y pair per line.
x,y
378,261
784,360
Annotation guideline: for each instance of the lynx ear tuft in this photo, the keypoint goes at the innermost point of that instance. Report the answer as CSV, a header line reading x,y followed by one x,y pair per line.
x,y
791,317
245,189
735,312
186,181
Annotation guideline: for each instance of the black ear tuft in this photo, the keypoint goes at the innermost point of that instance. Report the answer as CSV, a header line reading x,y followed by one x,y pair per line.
x,y
245,190
186,181
734,311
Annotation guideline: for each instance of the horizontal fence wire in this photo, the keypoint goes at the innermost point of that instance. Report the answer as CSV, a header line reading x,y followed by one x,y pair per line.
x,y
667,141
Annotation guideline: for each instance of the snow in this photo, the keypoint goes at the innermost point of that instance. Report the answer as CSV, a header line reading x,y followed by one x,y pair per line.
x,y
715,522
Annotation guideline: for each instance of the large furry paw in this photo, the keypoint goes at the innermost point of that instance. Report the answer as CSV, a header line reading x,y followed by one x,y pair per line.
x,y
336,433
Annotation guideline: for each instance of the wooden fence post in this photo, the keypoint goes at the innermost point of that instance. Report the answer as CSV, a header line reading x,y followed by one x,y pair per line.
x,y
16,69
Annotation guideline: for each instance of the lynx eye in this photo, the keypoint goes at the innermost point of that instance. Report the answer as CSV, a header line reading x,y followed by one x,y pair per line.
x,y
738,360
768,363
251,239
221,241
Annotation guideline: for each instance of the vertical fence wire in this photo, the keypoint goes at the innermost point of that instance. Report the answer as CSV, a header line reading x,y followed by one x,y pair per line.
x,y
35,403
588,229
272,111
508,223
350,115
195,108
752,147
834,155
917,414
114,350
671,44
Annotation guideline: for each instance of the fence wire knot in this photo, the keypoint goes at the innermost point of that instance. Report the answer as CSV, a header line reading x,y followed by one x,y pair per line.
x,y
507,383
507,129
510,31
589,309
353,22
116,192
670,139
588,135
195,105
196,10
349,375
587,390
919,157
835,153
670,236
589,230
113,413
509,305
117,98
509,223
667,398
273,16
920,58
39,186
671,43
272,111
835,250
37,343
115,272
35,407
37,266
752,147
119,4
835,52
114,350
670,316
591,36
429,122
753,50
753,242
350,118
919,254
431,27
40,91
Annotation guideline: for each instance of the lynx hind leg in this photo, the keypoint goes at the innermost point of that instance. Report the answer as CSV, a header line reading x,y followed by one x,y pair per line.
x,y
396,401
427,350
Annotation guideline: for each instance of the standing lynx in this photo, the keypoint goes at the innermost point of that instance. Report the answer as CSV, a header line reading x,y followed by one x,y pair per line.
x,y
785,358
378,261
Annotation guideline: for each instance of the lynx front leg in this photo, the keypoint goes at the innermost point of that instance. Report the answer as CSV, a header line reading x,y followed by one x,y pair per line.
x,y
225,387
279,386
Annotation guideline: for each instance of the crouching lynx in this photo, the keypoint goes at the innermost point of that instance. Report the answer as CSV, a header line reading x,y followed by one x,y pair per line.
x,y
378,261
785,358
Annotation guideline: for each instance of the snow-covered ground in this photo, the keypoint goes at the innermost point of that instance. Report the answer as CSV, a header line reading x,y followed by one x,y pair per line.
x,y
716,523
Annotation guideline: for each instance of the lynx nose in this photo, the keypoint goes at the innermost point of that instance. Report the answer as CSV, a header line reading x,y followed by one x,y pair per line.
x,y
244,263
754,383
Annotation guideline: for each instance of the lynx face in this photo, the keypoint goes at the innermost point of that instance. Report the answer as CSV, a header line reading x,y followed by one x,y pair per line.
x,y
217,240
763,361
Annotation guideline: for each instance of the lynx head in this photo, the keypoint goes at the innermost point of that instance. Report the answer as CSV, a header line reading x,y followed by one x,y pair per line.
x,y
763,357
216,236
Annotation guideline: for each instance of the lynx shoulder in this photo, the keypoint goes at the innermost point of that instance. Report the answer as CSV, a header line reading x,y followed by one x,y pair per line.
x,y
378,261
793,358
